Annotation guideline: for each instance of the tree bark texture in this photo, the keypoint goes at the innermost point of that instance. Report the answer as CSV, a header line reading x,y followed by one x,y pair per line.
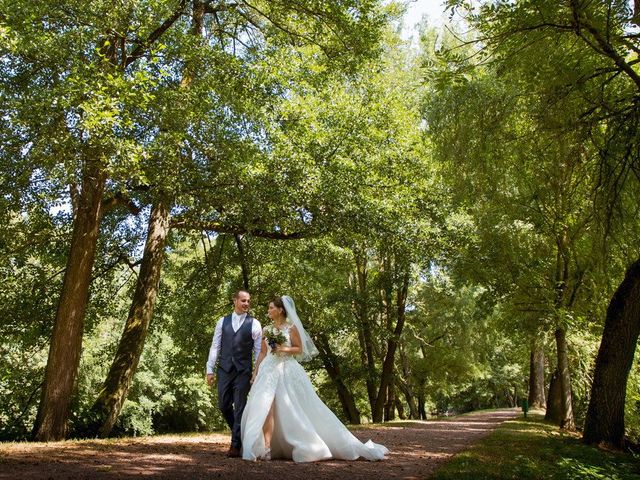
x,y
389,406
422,410
66,341
536,376
605,416
554,400
116,386
244,266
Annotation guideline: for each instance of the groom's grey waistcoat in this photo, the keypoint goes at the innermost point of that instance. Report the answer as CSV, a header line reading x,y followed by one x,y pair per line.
x,y
236,348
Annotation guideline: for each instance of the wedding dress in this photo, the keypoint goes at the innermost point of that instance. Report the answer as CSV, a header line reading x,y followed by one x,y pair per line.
x,y
306,430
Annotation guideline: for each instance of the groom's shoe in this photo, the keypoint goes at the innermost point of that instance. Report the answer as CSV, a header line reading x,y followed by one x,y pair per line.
x,y
233,452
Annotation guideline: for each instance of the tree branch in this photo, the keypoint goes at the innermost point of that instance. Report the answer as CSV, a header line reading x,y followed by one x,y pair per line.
x,y
142,47
236,229
120,199
121,258
605,47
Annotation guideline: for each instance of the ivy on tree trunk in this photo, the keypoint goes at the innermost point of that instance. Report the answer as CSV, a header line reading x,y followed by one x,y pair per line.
x,y
107,406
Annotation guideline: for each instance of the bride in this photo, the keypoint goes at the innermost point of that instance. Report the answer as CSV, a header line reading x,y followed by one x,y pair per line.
x,y
284,417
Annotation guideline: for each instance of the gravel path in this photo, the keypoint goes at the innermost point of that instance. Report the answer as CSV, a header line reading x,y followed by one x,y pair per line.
x,y
417,450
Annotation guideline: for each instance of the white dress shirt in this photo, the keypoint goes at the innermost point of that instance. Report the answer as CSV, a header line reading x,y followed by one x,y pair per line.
x,y
236,322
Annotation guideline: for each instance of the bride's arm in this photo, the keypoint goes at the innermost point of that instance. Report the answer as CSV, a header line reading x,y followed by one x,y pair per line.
x,y
296,343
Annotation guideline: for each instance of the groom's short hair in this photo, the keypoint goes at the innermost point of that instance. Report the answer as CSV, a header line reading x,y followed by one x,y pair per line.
x,y
238,292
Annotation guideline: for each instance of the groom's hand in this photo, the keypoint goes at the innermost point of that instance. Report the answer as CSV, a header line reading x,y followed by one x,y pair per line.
x,y
210,379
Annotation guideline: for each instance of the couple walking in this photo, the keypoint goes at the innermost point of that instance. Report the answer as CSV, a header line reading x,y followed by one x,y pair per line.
x,y
283,417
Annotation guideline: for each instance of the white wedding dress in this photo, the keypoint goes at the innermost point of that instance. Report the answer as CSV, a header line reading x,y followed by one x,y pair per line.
x,y
305,430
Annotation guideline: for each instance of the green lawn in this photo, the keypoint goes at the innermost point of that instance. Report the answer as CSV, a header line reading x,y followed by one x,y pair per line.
x,y
532,449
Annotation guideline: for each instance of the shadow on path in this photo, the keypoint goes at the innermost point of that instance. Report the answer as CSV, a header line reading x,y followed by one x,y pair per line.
x,y
417,449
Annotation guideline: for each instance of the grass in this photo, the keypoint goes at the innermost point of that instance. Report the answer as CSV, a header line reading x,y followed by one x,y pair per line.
x,y
533,449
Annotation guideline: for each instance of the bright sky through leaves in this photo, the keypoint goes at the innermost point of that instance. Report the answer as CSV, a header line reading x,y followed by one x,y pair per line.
x,y
434,9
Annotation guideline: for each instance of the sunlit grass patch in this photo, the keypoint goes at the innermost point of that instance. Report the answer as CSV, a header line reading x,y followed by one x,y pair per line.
x,y
532,449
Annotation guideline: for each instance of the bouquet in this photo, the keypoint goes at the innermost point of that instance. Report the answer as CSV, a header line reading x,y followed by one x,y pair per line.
x,y
274,337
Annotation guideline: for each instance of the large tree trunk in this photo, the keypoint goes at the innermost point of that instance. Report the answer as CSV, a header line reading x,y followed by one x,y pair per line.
x,y
605,415
554,400
66,341
386,377
114,391
389,405
332,366
116,386
536,376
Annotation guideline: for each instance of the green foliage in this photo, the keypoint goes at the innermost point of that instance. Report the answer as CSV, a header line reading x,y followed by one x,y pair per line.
x,y
31,264
21,367
632,412
464,360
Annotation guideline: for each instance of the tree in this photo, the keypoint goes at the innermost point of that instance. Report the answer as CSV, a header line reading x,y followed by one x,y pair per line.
x,y
605,417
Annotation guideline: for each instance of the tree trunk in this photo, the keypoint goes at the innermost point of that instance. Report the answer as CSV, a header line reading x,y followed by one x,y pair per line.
x,y
389,406
66,341
116,386
567,421
386,377
605,415
554,400
332,366
362,308
403,383
536,376
562,349
422,407
400,409
244,266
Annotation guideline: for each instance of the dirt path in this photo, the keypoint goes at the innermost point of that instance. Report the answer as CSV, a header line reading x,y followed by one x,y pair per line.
x,y
417,449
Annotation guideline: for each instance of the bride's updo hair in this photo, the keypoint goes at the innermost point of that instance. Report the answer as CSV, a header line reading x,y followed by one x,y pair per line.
x,y
278,303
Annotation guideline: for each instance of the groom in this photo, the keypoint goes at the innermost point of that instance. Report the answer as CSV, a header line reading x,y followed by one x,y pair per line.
x,y
236,336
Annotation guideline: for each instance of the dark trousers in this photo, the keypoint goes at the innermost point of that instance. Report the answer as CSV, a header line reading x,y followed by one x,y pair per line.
x,y
233,388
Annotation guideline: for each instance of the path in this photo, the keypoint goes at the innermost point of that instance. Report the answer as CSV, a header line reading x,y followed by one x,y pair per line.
x,y
417,449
